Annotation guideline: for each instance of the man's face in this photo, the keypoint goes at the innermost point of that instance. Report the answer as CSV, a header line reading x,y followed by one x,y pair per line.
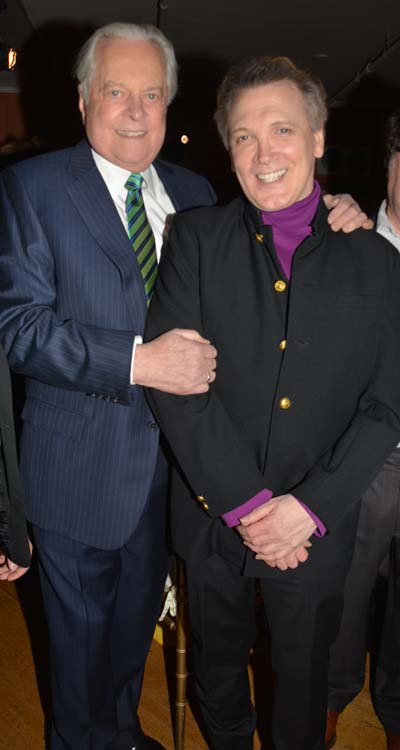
x,y
393,191
272,145
126,110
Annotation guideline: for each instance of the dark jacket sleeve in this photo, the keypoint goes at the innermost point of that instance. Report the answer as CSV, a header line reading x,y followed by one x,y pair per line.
x,y
13,532
218,464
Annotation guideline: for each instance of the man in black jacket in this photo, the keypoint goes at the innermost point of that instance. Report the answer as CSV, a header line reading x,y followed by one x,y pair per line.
x,y
14,544
303,411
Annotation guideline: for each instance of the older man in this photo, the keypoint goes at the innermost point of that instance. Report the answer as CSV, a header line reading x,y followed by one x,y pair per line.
x,y
80,230
73,302
272,459
378,531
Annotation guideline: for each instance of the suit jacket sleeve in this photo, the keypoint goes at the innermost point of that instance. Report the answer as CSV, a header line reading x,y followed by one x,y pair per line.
x,y
38,343
217,463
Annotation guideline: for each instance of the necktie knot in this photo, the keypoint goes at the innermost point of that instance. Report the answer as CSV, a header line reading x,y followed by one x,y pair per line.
x,y
134,182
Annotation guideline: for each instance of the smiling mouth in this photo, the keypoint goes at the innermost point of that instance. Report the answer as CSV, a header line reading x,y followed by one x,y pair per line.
x,y
272,176
131,133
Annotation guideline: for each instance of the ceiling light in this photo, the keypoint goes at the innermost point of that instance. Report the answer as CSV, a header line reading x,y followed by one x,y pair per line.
x,y
8,56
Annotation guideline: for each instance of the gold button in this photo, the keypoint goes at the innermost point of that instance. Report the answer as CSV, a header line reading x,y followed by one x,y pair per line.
x,y
279,286
282,345
285,403
201,499
259,237
205,506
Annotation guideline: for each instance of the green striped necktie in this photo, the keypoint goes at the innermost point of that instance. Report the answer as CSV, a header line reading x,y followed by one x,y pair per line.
x,y
140,233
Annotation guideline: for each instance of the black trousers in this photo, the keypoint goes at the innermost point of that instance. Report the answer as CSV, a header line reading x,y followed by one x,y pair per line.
x,y
303,620
378,534
101,607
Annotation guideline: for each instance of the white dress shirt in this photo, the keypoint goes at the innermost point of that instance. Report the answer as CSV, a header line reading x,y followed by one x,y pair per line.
x,y
158,205
385,228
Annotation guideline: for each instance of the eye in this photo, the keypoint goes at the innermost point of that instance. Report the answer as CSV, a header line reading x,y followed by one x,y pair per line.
x,y
284,131
242,138
152,96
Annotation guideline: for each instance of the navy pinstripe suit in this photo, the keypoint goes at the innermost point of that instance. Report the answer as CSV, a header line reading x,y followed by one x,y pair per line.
x,y
72,299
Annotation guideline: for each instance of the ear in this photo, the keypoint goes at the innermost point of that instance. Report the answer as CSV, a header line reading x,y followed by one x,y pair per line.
x,y
319,143
81,105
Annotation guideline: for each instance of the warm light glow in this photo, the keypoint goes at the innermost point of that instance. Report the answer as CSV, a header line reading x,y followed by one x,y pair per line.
x,y
12,59
184,139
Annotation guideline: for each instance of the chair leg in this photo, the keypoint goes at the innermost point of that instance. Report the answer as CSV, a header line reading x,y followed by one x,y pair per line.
x,y
181,661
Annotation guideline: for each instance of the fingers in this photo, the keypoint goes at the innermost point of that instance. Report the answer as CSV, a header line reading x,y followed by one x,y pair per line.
x,y
19,572
188,333
345,213
291,559
368,224
348,225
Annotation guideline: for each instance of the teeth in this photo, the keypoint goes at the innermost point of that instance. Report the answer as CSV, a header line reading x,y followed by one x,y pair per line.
x,y
131,133
272,176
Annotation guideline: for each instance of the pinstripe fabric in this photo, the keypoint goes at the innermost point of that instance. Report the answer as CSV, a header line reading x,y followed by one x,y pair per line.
x,y
70,305
140,233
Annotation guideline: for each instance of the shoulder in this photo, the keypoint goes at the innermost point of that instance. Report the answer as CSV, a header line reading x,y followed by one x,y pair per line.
x,y
212,218
36,165
167,168
174,175
367,244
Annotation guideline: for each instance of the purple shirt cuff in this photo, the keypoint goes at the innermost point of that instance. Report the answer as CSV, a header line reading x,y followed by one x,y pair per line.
x,y
232,518
321,528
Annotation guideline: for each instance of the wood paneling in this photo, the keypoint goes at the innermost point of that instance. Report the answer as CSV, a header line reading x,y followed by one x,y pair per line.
x,y
12,126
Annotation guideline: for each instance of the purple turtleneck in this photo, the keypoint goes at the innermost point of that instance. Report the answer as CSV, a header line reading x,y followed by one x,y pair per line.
x,y
290,226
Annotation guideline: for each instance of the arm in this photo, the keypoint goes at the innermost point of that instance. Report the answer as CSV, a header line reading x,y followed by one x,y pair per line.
x,y
38,342
199,429
217,464
65,352
347,470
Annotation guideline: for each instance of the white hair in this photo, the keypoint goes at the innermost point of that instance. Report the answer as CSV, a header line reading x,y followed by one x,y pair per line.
x,y
85,62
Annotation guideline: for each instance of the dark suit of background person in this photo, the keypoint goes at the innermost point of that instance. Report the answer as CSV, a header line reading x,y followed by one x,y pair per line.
x,y
72,301
14,548
378,531
306,400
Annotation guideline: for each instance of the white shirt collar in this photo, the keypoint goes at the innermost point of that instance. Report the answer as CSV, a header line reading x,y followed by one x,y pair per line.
x,y
115,177
384,221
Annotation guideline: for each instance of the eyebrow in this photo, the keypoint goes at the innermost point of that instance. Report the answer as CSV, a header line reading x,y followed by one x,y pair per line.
x,y
241,128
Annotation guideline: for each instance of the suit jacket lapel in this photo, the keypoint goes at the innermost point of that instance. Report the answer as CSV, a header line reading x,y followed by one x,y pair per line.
x,y
96,208
175,186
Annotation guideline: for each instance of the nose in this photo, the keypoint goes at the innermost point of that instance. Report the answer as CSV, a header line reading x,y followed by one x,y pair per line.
x,y
135,107
264,150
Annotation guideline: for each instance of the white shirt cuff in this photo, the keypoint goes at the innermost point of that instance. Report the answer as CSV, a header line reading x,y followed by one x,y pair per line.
x,y
137,340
